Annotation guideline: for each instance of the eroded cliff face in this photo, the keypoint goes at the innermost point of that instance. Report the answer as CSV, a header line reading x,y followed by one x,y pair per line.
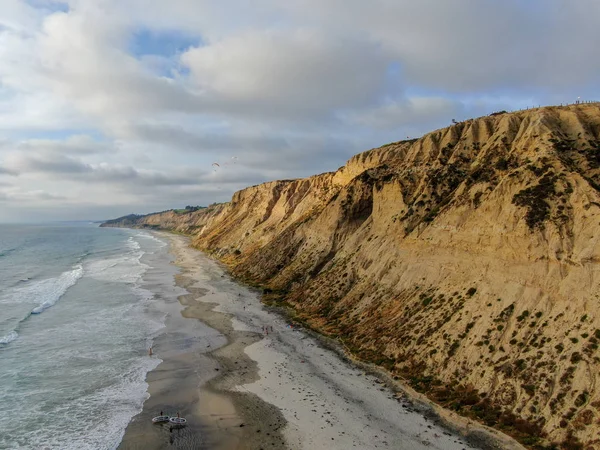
x,y
465,262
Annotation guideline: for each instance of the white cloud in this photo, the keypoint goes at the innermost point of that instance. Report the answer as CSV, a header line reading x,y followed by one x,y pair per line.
x,y
301,69
292,88
19,195
6,171
18,16
472,45
415,111
77,144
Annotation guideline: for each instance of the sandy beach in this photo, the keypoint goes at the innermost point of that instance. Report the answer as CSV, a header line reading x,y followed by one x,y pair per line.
x,y
245,378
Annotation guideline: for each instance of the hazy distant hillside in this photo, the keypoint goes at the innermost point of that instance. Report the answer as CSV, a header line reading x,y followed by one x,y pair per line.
x,y
465,261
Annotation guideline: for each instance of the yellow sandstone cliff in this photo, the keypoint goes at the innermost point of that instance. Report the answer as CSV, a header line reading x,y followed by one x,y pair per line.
x,y
465,262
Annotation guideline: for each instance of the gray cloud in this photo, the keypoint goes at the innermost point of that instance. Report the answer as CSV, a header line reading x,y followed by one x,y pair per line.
x,y
65,168
409,113
463,45
180,138
58,164
281,153
79,144
291,71
19,195
5,171
290,88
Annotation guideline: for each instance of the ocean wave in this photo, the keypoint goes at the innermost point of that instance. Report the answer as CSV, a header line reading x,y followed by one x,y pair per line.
x,y
99,347
124,268
103,413
133,244
144,295
129,393
53,289
7,251
7,339
154,238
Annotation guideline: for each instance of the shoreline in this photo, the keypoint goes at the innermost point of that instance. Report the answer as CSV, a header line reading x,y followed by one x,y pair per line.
x,y
193,380
241,406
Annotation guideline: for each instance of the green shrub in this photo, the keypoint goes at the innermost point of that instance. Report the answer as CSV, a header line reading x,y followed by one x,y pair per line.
x,y
529,388
576,357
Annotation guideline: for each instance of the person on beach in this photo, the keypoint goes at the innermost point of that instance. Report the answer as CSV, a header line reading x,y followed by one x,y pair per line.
x,y
150,353
178,414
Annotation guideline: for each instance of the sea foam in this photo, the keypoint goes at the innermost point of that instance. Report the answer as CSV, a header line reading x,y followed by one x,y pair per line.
x,y
74,380
51,290
7,339
153,238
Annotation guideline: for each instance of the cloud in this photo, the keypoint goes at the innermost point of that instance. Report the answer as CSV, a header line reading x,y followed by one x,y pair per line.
x,y
18,16
58,164
463,45
83,49
18,195
130,101
178,136
70,168
5,171
301,70
409,112
79,144
278,153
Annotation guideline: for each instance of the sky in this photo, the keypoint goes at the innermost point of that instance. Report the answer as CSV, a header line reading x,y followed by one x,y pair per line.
x,y
111,107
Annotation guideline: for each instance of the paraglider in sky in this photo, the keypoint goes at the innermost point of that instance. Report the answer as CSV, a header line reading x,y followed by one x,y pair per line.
x,y
224,165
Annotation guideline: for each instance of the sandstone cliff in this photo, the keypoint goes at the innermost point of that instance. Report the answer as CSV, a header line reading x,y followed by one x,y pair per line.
x,y
465,262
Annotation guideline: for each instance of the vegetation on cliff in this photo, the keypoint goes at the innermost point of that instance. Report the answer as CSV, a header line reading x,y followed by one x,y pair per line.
x,y
463,262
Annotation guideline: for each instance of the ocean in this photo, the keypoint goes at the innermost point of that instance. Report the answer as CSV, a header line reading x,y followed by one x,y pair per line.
x,y
76,323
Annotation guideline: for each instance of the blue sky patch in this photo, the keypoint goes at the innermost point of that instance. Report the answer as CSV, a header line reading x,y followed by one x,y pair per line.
x,y
166,43
52,6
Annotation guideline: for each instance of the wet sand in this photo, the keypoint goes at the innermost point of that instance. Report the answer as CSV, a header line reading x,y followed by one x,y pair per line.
x,y
194,377
245,379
